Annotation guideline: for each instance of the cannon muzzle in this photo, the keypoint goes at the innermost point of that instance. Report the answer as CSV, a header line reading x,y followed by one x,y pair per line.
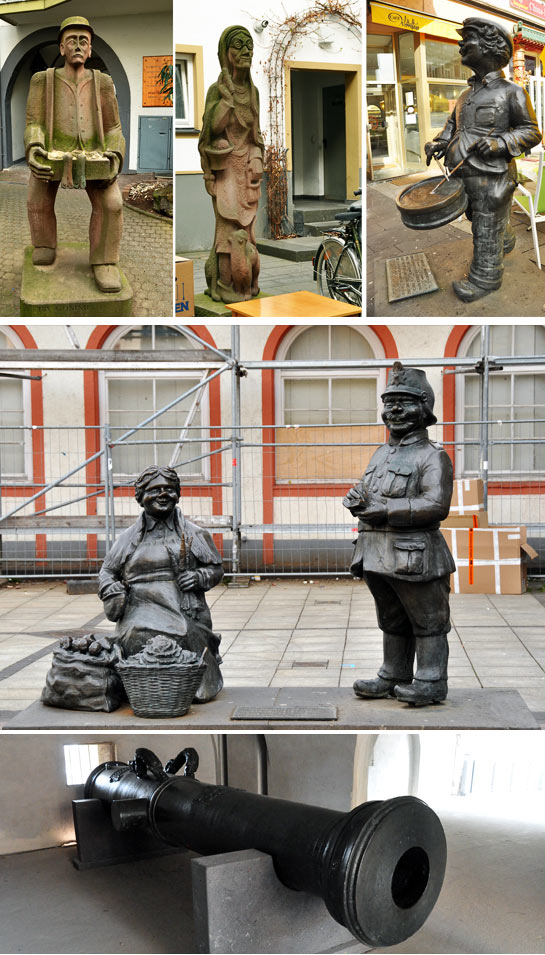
x,y
379,868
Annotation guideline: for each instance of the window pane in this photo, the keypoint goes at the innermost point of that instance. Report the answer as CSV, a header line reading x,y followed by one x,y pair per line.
x,y
11,433
353,400
5,342
346,342
406,55
442,101
443,62
306,401
136,339
181,89
172,422
148,338
501,339
312,343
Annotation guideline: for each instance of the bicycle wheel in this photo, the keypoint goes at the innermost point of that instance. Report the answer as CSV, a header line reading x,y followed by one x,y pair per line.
x,y
339,273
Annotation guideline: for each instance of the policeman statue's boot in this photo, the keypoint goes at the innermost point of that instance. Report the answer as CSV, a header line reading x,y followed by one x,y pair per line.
x,y
509,238
397,668
430,680
43,255
486,272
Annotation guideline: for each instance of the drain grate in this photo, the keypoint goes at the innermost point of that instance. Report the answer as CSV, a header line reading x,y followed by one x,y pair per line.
x,y
337,602
297,664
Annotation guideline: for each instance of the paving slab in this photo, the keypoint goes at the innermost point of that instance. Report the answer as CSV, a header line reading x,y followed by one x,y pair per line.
x,y
464,709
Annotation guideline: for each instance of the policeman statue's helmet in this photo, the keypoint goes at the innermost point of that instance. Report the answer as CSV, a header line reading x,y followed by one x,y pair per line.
x,y
495,40
412,381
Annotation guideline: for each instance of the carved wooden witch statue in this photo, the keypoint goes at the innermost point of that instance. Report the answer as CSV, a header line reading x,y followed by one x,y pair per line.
x,y
231,148
154,579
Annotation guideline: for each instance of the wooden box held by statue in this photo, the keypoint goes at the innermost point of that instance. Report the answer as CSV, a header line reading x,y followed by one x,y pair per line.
x,y
489,560
75,168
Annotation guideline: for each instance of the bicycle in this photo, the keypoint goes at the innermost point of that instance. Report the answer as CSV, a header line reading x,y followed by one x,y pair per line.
x,y
337,263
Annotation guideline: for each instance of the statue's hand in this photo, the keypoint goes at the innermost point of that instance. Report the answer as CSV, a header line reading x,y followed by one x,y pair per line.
x,y
226,87
489,146
355,498
188,580
39,169
375,511
114,163
434,149
210,185
114,606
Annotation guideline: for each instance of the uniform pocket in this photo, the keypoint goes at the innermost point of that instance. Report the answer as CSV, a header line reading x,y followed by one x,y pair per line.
x,y
409,556
485,116
396,480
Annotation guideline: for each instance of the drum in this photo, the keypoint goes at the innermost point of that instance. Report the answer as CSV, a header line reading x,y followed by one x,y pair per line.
x,y
421,208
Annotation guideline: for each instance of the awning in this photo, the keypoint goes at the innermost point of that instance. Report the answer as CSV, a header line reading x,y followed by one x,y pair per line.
x,y
417,22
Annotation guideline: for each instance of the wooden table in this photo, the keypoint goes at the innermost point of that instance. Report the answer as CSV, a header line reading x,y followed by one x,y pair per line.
x,y
293,305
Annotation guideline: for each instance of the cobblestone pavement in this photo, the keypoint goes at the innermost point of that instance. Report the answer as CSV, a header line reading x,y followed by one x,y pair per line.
x,y
276,276
286,633
146,248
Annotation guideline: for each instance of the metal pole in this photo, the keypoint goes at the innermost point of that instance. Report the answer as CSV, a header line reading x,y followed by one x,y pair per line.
x,y
236,447
484,401
106,490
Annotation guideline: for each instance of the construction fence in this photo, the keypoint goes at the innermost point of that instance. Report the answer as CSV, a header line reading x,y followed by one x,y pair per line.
x,y
271,494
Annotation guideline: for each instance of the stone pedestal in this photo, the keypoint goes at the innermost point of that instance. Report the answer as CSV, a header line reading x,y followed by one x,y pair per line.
x,y
205,306
239,905
68,289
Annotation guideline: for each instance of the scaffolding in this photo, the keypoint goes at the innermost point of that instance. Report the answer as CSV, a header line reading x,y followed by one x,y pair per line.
x,y
271,514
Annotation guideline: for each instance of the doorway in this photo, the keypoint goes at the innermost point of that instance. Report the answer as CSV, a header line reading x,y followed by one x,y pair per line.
x,y
324,124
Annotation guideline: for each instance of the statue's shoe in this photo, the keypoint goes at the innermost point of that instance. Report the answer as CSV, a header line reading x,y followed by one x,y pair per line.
x,y
509,244
420,693
43,255
469,292
107,278
375,689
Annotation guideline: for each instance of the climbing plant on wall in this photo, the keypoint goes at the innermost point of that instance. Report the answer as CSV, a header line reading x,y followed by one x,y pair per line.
x,y
285,35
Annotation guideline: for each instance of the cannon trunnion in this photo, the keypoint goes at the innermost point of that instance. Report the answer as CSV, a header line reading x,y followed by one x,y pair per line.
x,y
379,868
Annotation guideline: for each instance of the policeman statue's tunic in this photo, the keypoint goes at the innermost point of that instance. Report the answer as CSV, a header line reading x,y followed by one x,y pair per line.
x,y
405,561
492,106
68,116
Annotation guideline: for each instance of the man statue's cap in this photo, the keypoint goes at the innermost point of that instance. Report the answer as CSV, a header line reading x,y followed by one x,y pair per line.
x,y
74,22
411,381
473,22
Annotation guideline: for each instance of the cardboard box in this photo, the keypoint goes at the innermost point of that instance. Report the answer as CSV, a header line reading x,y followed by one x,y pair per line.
x,y
470,520
185,293
467,497
489,560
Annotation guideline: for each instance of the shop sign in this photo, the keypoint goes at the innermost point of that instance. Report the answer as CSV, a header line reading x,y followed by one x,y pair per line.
x,y
157,79
417,22
535,7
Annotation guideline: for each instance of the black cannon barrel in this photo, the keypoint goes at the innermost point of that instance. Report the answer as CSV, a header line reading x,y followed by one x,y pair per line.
x,y
379,868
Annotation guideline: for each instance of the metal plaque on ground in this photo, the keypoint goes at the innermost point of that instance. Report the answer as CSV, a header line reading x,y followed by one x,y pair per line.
x,y
409,275
285,713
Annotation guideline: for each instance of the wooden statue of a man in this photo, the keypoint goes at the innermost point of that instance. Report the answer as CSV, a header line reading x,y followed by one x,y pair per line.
x,y
73,135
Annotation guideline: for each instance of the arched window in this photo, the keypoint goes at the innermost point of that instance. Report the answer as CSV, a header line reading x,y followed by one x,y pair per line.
x,y
15,443
127,398
516,403
327,406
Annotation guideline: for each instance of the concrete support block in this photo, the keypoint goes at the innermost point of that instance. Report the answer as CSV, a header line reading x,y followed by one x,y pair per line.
x,y
239,905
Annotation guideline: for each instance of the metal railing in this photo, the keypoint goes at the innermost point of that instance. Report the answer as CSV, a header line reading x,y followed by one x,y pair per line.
x,y
273,496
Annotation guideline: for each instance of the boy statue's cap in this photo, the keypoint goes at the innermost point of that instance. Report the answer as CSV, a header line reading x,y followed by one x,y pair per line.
x,y
73,22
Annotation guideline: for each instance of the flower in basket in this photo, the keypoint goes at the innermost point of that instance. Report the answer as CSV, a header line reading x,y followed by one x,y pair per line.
x,y
162,651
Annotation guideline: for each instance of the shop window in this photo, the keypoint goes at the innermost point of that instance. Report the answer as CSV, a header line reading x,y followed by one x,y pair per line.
x,y
516,406
80,760
131,397
443,61
322,409
443,99
15,450
407,64
184,91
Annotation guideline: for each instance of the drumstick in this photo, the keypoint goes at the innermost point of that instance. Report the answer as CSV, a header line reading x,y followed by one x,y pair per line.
x,y
448,174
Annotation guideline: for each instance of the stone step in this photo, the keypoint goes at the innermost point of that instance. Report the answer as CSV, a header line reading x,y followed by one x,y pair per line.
x,y
301,249
316,228
317,211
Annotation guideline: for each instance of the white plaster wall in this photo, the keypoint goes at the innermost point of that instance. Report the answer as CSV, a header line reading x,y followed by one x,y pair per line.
x,y
35,801
202,25
18,112
131,37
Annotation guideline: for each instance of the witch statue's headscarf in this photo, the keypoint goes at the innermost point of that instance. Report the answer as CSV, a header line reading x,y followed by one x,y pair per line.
x,y
213,98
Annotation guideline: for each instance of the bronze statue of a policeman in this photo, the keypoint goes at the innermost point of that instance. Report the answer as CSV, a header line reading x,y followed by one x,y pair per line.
x,y
73,135
492,122
400,552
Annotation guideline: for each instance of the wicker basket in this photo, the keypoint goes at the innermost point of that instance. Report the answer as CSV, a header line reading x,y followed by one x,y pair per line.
x,y
163,690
